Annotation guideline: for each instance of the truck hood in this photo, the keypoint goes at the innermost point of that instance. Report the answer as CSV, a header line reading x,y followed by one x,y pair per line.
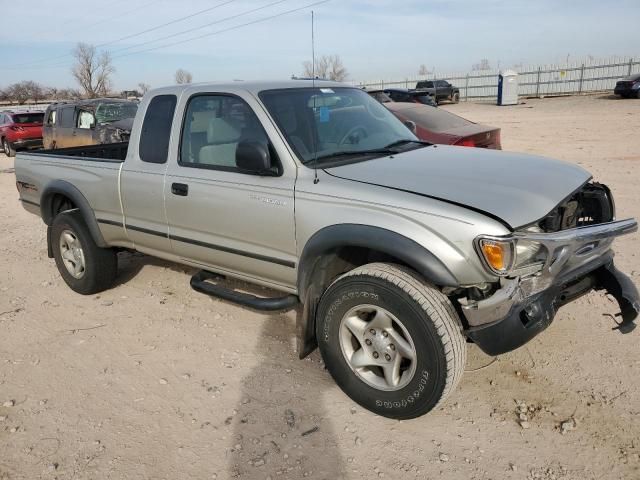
x,y
517,188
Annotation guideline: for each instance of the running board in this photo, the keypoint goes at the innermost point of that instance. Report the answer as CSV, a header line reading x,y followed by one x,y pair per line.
x,y
200,284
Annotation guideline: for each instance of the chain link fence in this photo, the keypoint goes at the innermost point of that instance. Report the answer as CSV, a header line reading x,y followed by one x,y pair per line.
x,y
592,75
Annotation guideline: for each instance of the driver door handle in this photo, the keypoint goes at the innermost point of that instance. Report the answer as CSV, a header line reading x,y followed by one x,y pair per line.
x,y
181,189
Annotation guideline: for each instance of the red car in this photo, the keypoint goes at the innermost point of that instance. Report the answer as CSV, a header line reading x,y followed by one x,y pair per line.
x,y
435,125
19,130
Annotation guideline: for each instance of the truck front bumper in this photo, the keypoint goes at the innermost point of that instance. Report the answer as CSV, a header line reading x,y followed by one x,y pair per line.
x,y
524,307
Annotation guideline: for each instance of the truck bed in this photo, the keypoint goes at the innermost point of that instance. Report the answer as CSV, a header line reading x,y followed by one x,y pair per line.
x,y
92,172
109,151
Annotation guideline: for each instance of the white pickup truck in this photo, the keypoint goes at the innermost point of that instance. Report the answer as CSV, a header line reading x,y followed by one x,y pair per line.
x,y
400,252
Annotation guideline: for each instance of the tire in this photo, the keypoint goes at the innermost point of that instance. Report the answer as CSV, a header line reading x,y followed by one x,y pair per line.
x,y
638,94
423,324
84,266
9,151
455,97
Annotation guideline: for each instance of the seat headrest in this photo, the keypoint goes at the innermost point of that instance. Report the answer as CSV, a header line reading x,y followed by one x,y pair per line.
x,y
287,116
221,131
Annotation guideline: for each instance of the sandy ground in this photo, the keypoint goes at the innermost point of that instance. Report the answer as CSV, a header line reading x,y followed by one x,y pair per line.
x,y
152,380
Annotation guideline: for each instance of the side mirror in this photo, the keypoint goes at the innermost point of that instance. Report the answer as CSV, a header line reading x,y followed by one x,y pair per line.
x,y
411,126
254,158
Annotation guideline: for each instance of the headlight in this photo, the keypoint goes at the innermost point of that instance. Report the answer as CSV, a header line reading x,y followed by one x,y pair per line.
x,y
528,253
497,254
509,255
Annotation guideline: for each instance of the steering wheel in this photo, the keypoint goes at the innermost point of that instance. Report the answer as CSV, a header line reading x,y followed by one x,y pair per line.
x,y
354,135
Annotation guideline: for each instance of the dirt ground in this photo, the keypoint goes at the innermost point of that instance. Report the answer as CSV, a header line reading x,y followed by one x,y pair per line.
x,y
151,380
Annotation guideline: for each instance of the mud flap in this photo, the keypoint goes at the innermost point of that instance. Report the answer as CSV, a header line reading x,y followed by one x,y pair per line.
x,y
620,286
49,244
306,323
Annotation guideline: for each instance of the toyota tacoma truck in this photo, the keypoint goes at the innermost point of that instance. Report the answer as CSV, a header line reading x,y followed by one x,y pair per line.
x,y
396,253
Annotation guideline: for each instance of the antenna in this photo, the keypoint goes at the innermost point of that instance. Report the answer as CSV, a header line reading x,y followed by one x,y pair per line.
x,y
313,84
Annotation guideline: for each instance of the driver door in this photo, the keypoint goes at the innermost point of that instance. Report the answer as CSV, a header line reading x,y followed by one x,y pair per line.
x,y
220,217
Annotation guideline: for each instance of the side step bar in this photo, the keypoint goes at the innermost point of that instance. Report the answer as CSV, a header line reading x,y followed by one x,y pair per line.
x,y
200,284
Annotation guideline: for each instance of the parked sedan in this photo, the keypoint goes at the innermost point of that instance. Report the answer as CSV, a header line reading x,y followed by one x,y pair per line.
x,y
403,95
629,87
20,130
435,125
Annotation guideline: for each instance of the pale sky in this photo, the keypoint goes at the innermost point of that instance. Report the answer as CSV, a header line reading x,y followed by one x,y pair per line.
x,y
381,39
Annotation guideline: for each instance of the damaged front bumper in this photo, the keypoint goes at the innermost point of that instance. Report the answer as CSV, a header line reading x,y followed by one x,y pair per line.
x,y
580,260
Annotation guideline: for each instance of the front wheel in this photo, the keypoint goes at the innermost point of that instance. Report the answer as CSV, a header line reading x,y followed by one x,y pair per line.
x,y
455,97
9,151
84,266
392,343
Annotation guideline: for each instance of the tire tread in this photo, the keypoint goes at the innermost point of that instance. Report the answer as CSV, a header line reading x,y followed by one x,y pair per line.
x,y
437,307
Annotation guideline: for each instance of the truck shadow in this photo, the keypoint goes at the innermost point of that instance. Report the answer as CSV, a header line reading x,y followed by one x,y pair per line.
x,y
281,428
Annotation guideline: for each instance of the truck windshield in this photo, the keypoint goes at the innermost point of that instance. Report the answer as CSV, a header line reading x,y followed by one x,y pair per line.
x,y
112,112
337,122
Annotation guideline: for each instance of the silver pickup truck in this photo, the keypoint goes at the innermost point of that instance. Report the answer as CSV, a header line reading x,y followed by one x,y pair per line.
x,y
397,251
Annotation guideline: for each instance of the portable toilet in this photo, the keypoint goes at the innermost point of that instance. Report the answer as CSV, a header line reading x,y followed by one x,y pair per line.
x,y
508,88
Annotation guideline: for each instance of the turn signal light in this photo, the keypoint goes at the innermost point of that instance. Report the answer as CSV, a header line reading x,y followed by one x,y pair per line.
x,y
498,254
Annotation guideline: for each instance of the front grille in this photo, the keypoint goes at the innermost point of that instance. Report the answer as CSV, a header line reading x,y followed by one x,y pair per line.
x,y
590,205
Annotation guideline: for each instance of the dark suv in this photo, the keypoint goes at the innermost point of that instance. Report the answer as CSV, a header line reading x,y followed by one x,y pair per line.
x,y
88,122
440,89
629,87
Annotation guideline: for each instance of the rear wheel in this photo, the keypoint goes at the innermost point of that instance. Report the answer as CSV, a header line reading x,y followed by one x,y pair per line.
x,y
8,149
391,342
84,266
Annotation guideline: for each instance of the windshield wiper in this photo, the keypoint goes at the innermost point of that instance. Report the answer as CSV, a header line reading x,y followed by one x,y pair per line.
x,y
387,150
354,153
405,141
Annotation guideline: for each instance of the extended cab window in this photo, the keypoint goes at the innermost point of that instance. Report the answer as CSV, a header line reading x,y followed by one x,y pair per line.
x,y
86,119
156,129
213,127
66,116
51,118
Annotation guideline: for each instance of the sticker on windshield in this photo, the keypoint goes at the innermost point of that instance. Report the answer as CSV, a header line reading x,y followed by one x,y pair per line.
x,y
324,114
326,90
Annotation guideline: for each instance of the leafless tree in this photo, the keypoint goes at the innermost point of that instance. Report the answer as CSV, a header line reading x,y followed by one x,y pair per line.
x,y
26,90
183,76
144,87
424,70
92,70
328,67
69,94
482,65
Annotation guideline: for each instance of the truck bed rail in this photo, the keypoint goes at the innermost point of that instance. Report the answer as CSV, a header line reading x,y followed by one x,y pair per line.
x,y
109,151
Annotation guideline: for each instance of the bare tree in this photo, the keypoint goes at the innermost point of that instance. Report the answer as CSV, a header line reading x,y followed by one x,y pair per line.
x,y
183,76
328,67
92,70
23,91
482,65
424,70
144,87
